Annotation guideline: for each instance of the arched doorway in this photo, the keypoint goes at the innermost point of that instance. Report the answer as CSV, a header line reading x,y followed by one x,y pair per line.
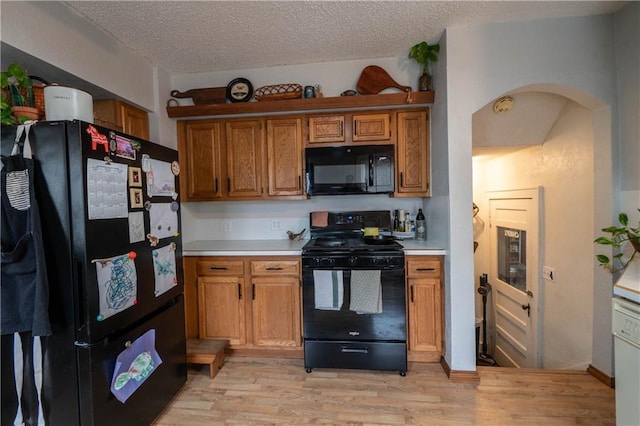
x,y
551,137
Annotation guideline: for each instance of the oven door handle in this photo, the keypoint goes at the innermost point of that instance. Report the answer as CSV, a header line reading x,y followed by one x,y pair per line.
x,y
371,171
347,350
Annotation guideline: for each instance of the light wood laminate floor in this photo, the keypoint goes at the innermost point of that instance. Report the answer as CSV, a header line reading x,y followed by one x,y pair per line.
x,y
257,391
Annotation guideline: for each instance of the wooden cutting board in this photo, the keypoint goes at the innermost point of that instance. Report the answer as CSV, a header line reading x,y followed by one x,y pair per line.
x,y
210,95
375,79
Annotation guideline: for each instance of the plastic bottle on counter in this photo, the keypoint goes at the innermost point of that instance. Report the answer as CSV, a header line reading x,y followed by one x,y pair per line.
x,y
407,223
421,226
401,220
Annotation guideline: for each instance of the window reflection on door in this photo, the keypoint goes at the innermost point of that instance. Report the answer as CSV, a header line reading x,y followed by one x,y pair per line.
x,y
512,257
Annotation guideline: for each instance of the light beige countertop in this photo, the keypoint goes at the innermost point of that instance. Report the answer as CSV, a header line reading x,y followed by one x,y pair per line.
x,y
282,248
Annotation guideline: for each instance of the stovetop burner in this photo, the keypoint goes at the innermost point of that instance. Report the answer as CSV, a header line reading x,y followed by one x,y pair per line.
x,y
351,244
341,232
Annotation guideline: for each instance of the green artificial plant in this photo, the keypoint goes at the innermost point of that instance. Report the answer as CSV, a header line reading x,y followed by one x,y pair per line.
x,y
619,235
17,90
424,53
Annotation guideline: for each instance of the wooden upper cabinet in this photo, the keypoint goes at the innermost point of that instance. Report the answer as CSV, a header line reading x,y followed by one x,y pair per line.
x,y
413,162
200,151
121,116
284,156
244,158
371,127
324,129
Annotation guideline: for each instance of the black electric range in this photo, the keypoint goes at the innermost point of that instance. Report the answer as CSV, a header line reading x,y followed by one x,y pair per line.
x,y
338,332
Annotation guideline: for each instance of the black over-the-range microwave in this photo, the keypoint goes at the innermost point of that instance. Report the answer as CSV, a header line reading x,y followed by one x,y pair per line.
x,y
366,169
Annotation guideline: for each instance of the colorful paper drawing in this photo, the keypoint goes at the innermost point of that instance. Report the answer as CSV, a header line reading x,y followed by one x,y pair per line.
x,y
117,284
136,227
134,365
106,190
160,179
164,267
164,221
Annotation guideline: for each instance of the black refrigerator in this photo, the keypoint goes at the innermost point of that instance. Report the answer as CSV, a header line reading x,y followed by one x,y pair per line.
x,y
110,214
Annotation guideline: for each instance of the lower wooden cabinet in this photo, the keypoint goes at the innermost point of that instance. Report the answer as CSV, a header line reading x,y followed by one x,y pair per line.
x,y
425,324
254,302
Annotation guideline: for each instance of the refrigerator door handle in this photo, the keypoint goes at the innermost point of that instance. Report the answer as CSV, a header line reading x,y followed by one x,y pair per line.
x,y
80,292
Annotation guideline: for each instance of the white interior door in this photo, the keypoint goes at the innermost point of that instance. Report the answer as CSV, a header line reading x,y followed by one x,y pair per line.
x,y
514,273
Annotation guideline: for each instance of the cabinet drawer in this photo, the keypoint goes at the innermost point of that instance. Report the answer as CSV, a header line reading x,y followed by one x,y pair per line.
x,y
275,267
220,267
424,268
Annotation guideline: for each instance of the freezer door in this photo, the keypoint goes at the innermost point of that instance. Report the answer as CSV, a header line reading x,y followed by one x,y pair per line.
x,y
99,406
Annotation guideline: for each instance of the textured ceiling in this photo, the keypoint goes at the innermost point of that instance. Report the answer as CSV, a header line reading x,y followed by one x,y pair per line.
x,y
202,36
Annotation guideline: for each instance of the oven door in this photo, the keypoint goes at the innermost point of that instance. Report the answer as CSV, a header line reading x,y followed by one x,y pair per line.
x,y
343,324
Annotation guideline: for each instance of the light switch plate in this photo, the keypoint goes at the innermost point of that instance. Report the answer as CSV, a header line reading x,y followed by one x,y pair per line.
x,y
549,273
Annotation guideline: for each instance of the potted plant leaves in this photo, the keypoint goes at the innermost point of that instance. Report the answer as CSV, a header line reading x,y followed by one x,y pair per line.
x,y
17,94
424,53
619,235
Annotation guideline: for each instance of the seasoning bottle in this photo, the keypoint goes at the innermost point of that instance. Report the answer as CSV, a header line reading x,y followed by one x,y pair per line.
x,y
407,222
401,219
421,226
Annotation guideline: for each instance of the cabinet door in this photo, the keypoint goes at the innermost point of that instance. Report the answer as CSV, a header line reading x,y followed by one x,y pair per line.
x,y
244,158
134,121
371,127
284,156
221,308
276,311
202,151
326,129
425,316
413,154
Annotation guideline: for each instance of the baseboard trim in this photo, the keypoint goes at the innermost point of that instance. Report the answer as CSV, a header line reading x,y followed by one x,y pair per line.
x,y
459,375
602,377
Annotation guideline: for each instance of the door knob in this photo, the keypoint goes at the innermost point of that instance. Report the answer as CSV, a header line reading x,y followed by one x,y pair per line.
x,y
527,307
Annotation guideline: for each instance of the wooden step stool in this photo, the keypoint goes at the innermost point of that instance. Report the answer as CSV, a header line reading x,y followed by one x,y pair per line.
x,y
207,351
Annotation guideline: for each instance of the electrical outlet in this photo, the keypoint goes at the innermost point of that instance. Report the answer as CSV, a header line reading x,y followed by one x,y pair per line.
x,y
549,273
276,225
225,226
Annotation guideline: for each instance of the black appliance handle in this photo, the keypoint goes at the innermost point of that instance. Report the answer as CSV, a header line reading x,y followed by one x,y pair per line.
x,y
371,170
80,292
346,350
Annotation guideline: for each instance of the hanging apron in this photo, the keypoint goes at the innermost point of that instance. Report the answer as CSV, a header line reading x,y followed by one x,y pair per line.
x,y
24,285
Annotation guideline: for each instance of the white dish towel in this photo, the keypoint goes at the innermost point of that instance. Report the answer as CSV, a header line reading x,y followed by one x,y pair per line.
x,y
366,292
328,289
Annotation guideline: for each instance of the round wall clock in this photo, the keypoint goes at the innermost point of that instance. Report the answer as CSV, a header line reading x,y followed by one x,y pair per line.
x,y
239,90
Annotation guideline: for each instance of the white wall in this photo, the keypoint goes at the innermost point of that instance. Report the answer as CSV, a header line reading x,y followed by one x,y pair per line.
x,y
563,166
485,61
627,37
58,36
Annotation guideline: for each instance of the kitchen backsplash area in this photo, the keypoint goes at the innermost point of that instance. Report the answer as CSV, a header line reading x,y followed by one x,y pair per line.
x,y
264,220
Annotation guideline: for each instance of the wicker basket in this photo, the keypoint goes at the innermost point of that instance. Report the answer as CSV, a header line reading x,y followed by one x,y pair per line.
x,y
38,97
278,92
